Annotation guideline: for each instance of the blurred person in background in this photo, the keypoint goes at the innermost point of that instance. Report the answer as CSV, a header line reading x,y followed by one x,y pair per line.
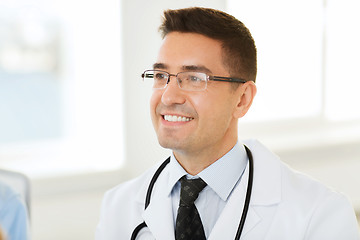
x,y
13,215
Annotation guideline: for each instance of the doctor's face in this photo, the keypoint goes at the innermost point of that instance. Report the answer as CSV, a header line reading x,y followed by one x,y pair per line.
x,y
193,122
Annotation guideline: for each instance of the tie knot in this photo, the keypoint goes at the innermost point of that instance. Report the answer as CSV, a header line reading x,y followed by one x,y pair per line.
x,y
190,189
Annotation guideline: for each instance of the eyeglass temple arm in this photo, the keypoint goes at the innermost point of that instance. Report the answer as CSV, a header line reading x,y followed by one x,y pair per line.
x,y
226,79
146,75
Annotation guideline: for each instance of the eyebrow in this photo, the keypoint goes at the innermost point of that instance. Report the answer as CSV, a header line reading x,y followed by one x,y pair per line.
x,y
160,66
198,68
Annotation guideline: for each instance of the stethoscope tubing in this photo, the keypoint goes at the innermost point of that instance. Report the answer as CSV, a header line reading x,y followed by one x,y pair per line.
x,y
246,204
248,194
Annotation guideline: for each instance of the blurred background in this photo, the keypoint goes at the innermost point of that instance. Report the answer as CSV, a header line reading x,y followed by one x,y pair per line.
x,y
74,114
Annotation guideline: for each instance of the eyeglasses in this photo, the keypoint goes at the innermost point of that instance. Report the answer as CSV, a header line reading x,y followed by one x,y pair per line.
x,y
189,81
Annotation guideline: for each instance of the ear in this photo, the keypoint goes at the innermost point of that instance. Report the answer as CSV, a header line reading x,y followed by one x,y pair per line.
x,y
246,93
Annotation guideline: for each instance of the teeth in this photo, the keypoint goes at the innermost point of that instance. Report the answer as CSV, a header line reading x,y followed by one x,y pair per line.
x,y
173,118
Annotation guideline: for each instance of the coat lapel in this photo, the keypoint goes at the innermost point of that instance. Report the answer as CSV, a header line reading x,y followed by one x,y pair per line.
x,y
158,215
266,194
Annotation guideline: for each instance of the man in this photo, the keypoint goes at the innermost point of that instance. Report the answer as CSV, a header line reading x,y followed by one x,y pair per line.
x,y
203,82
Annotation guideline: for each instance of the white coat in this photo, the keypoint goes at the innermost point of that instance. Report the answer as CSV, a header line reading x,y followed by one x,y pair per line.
x,y
284,205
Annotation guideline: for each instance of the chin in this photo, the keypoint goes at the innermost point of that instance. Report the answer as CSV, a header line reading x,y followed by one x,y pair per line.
x,y
169,144
166,144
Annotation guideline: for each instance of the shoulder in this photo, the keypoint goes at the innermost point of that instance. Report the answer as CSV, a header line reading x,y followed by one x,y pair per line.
x,y
9,200
122,207
295,191
305,189
328,214
316,210
291,184
5,192
134,189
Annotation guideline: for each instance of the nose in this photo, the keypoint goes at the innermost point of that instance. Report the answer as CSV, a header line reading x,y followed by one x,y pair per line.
x,y
172,94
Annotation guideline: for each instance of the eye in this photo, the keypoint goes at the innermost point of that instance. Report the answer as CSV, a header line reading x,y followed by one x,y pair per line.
x,y
194,78
160,76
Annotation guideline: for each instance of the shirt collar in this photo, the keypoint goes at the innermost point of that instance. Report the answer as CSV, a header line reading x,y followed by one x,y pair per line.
x,y
221,176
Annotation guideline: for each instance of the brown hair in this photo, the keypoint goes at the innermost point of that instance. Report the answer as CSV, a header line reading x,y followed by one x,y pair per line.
x,y
239,50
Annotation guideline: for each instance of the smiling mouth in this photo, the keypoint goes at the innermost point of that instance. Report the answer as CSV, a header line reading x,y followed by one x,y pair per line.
x,y
173,118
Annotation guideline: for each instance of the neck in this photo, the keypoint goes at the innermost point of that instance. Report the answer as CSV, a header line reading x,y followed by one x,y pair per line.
x,y
195,162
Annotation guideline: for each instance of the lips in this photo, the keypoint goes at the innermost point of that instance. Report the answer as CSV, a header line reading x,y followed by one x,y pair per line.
x,y
175,118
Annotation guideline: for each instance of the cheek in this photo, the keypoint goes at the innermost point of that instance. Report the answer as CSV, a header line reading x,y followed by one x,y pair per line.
x,y
215,110
207,110
154,101
210,104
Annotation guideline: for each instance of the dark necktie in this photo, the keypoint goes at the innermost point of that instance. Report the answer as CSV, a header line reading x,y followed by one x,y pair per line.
x,y
188,222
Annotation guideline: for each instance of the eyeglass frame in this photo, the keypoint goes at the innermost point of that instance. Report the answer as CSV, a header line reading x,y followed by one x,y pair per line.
x,y
208,78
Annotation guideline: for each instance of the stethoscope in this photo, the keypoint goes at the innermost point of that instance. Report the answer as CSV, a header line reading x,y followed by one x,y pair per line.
x,y
246,204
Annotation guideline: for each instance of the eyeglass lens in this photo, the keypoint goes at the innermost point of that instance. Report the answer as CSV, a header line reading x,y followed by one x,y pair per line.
x,y
192,81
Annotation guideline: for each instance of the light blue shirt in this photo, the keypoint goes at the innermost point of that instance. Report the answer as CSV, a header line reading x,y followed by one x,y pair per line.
x,y
13,214
221,177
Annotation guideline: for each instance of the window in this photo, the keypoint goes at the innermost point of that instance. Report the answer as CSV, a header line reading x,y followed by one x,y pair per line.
x,y
308,54
61,93
342,76
307,59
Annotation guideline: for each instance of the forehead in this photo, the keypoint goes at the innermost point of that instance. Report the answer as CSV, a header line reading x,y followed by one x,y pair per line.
x,y
191,49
